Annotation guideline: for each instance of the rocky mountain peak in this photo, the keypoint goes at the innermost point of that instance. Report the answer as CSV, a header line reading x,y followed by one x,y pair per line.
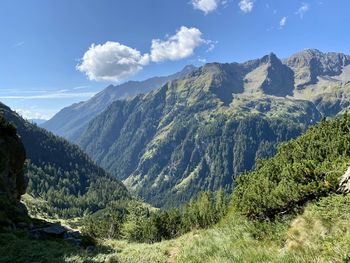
x,y
270,58
269,76
310,64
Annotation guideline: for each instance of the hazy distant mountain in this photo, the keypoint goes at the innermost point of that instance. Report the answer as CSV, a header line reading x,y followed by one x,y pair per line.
x,y
71,121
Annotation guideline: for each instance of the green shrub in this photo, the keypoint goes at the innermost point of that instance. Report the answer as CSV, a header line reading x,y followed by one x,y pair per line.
x,y
304,169
135,222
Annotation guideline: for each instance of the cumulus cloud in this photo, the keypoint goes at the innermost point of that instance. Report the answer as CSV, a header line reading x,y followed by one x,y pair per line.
x,y
111,61
283,22
246,5
179,46
206,6
303,9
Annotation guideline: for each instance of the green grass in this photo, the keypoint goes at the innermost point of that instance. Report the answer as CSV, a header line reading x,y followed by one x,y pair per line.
x,y
320,234
19,247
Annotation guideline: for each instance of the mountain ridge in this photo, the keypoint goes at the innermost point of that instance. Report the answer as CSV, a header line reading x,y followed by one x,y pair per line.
x,y
72,120
197,132
267,75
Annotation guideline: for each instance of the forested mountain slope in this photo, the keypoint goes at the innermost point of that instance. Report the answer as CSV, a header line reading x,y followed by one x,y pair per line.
x,y
185,137
197,132
61,174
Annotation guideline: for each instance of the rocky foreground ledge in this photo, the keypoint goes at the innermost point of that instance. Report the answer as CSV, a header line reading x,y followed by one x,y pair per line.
x,y
13,213
40,229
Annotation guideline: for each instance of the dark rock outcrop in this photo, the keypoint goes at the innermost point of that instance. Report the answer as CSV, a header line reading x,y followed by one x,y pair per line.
x,y
45,230
12,180
13,214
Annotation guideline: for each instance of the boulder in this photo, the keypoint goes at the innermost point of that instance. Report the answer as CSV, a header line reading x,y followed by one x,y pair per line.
x,y
55,230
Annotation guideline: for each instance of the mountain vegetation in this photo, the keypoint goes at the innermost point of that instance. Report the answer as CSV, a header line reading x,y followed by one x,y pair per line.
x,y
302,170
289,209
61,174
136,222
196,133
312,226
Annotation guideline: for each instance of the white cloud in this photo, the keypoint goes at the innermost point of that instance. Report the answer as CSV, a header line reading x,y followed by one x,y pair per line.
x,y
246,5
111,61
283,22
206,6
303,9
211,45
179,46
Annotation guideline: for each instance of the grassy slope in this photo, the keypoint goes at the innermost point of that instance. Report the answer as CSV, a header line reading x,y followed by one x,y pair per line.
x,y
320,234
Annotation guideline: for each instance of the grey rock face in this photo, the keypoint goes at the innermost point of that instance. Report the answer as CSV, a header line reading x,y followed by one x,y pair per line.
x,y
311,63
279,78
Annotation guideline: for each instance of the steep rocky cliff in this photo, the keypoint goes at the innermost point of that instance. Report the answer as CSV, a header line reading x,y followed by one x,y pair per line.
x,y
12,180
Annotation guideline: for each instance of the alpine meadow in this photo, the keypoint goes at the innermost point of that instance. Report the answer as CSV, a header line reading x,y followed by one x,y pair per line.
x,y
174,131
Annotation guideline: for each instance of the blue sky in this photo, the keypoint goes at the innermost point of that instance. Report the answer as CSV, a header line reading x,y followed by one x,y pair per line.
x,y
55,53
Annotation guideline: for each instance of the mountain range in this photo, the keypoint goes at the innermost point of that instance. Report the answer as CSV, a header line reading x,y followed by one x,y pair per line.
x,y
201,129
